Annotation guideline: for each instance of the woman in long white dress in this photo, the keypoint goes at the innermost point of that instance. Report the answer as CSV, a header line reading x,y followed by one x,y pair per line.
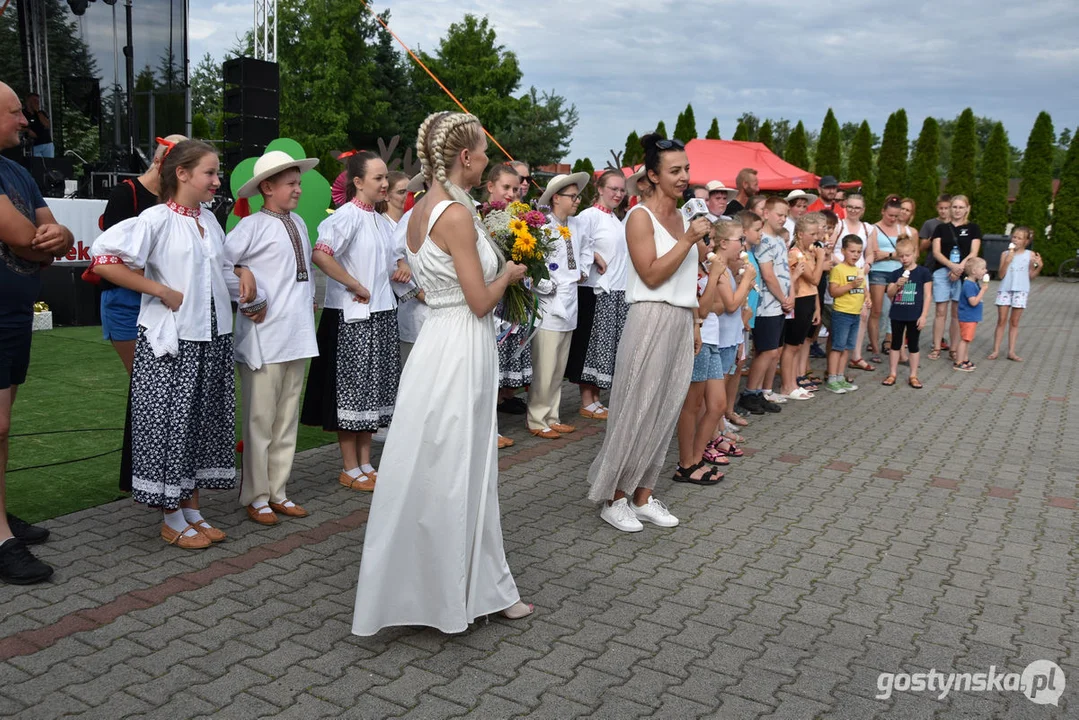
x,y
433,552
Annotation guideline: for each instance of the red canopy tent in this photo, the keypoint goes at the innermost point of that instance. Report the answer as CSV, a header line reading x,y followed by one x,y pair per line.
x,y
722,159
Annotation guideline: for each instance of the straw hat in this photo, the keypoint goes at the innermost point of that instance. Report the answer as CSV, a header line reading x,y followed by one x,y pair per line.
x,y
718,186
269,165
632,180
799,194
560,182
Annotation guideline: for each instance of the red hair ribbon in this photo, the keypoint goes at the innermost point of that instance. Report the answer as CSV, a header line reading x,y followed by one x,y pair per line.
x,y
242,208
169,145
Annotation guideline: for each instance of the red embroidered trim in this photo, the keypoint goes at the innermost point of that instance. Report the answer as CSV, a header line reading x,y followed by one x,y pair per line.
x,y
362,205
324,248
603,208
106,260
183,209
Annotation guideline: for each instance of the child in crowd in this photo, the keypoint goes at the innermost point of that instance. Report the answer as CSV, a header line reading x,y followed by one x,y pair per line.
x,y
752,229
1018,266
975,284
910,290
846,285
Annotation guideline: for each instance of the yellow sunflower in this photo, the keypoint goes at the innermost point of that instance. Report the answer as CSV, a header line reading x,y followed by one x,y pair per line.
x,y
564,232
518,227
524,244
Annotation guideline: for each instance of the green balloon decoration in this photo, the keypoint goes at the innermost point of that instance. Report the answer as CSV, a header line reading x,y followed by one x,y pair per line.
x,y
314,202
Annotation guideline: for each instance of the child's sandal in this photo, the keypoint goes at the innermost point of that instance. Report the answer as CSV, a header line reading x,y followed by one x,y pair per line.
x,y
914,382
934,354
888,381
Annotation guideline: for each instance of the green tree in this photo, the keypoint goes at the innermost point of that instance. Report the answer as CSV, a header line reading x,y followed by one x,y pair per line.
x,y
991,197
207,92
634,154
539,128
1064,239
686,127
741,132
797,150
764,135
752,123
661,129
925,173
860,166
963,159
588,197
892,160
829,157
713,130
1036,187
781,132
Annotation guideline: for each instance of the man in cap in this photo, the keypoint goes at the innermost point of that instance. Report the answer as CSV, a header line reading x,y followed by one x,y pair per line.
x,y
829,187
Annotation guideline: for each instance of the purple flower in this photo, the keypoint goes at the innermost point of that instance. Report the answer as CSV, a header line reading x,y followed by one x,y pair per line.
x,y
535,219
552,267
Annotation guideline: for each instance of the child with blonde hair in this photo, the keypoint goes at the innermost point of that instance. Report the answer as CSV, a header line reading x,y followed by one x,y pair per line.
x,y
975,283
1018,266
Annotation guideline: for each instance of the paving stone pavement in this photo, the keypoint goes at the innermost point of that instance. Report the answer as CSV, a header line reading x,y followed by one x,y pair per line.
x,y
890,531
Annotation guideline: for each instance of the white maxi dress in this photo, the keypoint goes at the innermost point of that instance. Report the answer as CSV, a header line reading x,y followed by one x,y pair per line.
x,y
433,553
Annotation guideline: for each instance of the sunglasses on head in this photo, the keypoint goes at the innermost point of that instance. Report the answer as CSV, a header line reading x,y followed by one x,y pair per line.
x,y
665,144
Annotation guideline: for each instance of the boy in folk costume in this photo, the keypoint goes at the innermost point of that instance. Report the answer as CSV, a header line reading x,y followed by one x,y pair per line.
x,y
272,350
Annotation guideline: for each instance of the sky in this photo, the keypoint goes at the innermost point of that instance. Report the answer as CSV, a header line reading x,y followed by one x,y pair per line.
x,y
626,64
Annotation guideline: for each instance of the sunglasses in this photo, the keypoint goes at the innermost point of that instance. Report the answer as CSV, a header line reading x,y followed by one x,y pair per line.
x,y
666,144
526,178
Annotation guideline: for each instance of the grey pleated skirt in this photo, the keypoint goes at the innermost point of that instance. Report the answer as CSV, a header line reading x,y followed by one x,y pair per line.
x,y
651,377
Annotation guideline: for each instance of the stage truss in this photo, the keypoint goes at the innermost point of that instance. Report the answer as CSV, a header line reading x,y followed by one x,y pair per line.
x,y
265,30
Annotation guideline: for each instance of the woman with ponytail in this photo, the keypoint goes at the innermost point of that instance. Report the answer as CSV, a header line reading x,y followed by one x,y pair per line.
x,y
433,552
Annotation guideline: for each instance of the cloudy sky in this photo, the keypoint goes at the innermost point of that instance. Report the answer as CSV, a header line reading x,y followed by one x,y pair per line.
x,y
627,64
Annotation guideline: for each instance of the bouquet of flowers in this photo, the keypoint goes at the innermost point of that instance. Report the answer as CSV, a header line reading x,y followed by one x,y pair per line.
x,y
524,237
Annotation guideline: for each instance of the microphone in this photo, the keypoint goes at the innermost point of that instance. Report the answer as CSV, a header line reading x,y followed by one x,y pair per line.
x,y
695,208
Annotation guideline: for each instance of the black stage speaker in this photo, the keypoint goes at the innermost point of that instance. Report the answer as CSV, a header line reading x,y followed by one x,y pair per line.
x,y
252,102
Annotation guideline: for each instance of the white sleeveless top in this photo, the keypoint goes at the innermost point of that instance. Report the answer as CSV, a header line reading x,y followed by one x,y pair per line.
x,y
680,289
1017,279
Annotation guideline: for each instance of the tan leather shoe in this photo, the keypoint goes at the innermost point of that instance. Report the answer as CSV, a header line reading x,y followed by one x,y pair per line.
x,y
365,483
562,428
210,531
545,433
198,541
262,518
600,414
293,511
504,442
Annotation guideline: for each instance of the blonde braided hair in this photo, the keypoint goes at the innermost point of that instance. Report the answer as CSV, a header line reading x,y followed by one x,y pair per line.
x,y
421,146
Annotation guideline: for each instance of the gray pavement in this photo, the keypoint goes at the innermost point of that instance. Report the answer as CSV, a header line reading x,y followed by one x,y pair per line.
x,y
892,531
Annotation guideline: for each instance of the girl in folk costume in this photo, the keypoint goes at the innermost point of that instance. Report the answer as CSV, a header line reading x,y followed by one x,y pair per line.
x,y
558,307
433,552
515,360
601,297
352,385
182,388
393,207
273,244
411,308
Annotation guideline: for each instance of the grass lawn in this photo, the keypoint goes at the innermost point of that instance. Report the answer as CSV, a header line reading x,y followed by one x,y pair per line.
x,y
69,418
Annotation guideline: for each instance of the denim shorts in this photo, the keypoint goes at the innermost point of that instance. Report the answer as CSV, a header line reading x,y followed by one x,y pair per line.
x,y
844,331
945,289
729,357
708,364
879,277
120,313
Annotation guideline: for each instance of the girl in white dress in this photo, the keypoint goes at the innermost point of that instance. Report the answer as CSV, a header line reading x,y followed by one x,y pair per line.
x,y
433,553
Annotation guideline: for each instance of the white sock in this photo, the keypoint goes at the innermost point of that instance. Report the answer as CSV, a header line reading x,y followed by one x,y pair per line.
x,y
288,504
593,407
261,506
178,522
192,515
367,468
353,473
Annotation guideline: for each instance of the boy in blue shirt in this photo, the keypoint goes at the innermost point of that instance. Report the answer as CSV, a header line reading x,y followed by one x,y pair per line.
x,y
975,283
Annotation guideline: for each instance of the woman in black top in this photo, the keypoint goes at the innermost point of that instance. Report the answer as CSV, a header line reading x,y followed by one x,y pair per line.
x,y
953,244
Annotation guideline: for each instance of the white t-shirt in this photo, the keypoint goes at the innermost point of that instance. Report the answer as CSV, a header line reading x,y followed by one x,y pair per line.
x,y
710,327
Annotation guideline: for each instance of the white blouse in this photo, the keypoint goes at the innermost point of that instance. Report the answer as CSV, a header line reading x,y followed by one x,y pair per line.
x,y
281,264
558,296
603,234
680,289
170,249
359,240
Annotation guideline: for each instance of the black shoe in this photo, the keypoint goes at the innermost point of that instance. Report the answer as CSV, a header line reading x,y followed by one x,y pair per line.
x,y
513,406
18,565
816,351
29,534
752,403
769,406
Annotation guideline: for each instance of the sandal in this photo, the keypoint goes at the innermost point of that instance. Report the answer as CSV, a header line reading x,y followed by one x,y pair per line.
x,y
685,475
861,364
885,347
952,355
914,382
714,457
888,381
934,354
875,358
736,419
731,450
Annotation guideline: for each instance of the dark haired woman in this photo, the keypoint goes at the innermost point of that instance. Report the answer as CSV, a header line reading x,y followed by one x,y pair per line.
x,y
601,297
881,256
182,387
352,384
657,346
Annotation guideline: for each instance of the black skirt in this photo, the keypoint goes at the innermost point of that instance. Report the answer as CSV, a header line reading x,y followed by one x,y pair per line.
x,y
578,345
320,397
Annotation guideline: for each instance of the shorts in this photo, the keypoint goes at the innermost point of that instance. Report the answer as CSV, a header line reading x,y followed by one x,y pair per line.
x,y
879,277
729,356
908,328
826,315
796,329
845,331
14,355
1012,298
944,290
708,364
767,333
120,314
966,331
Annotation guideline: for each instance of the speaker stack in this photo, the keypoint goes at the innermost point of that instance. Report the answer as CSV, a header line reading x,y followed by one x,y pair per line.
x,y
252,102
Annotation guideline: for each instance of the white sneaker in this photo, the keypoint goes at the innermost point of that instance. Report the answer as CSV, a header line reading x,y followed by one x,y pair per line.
x,y
619,515
654,512
775,397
